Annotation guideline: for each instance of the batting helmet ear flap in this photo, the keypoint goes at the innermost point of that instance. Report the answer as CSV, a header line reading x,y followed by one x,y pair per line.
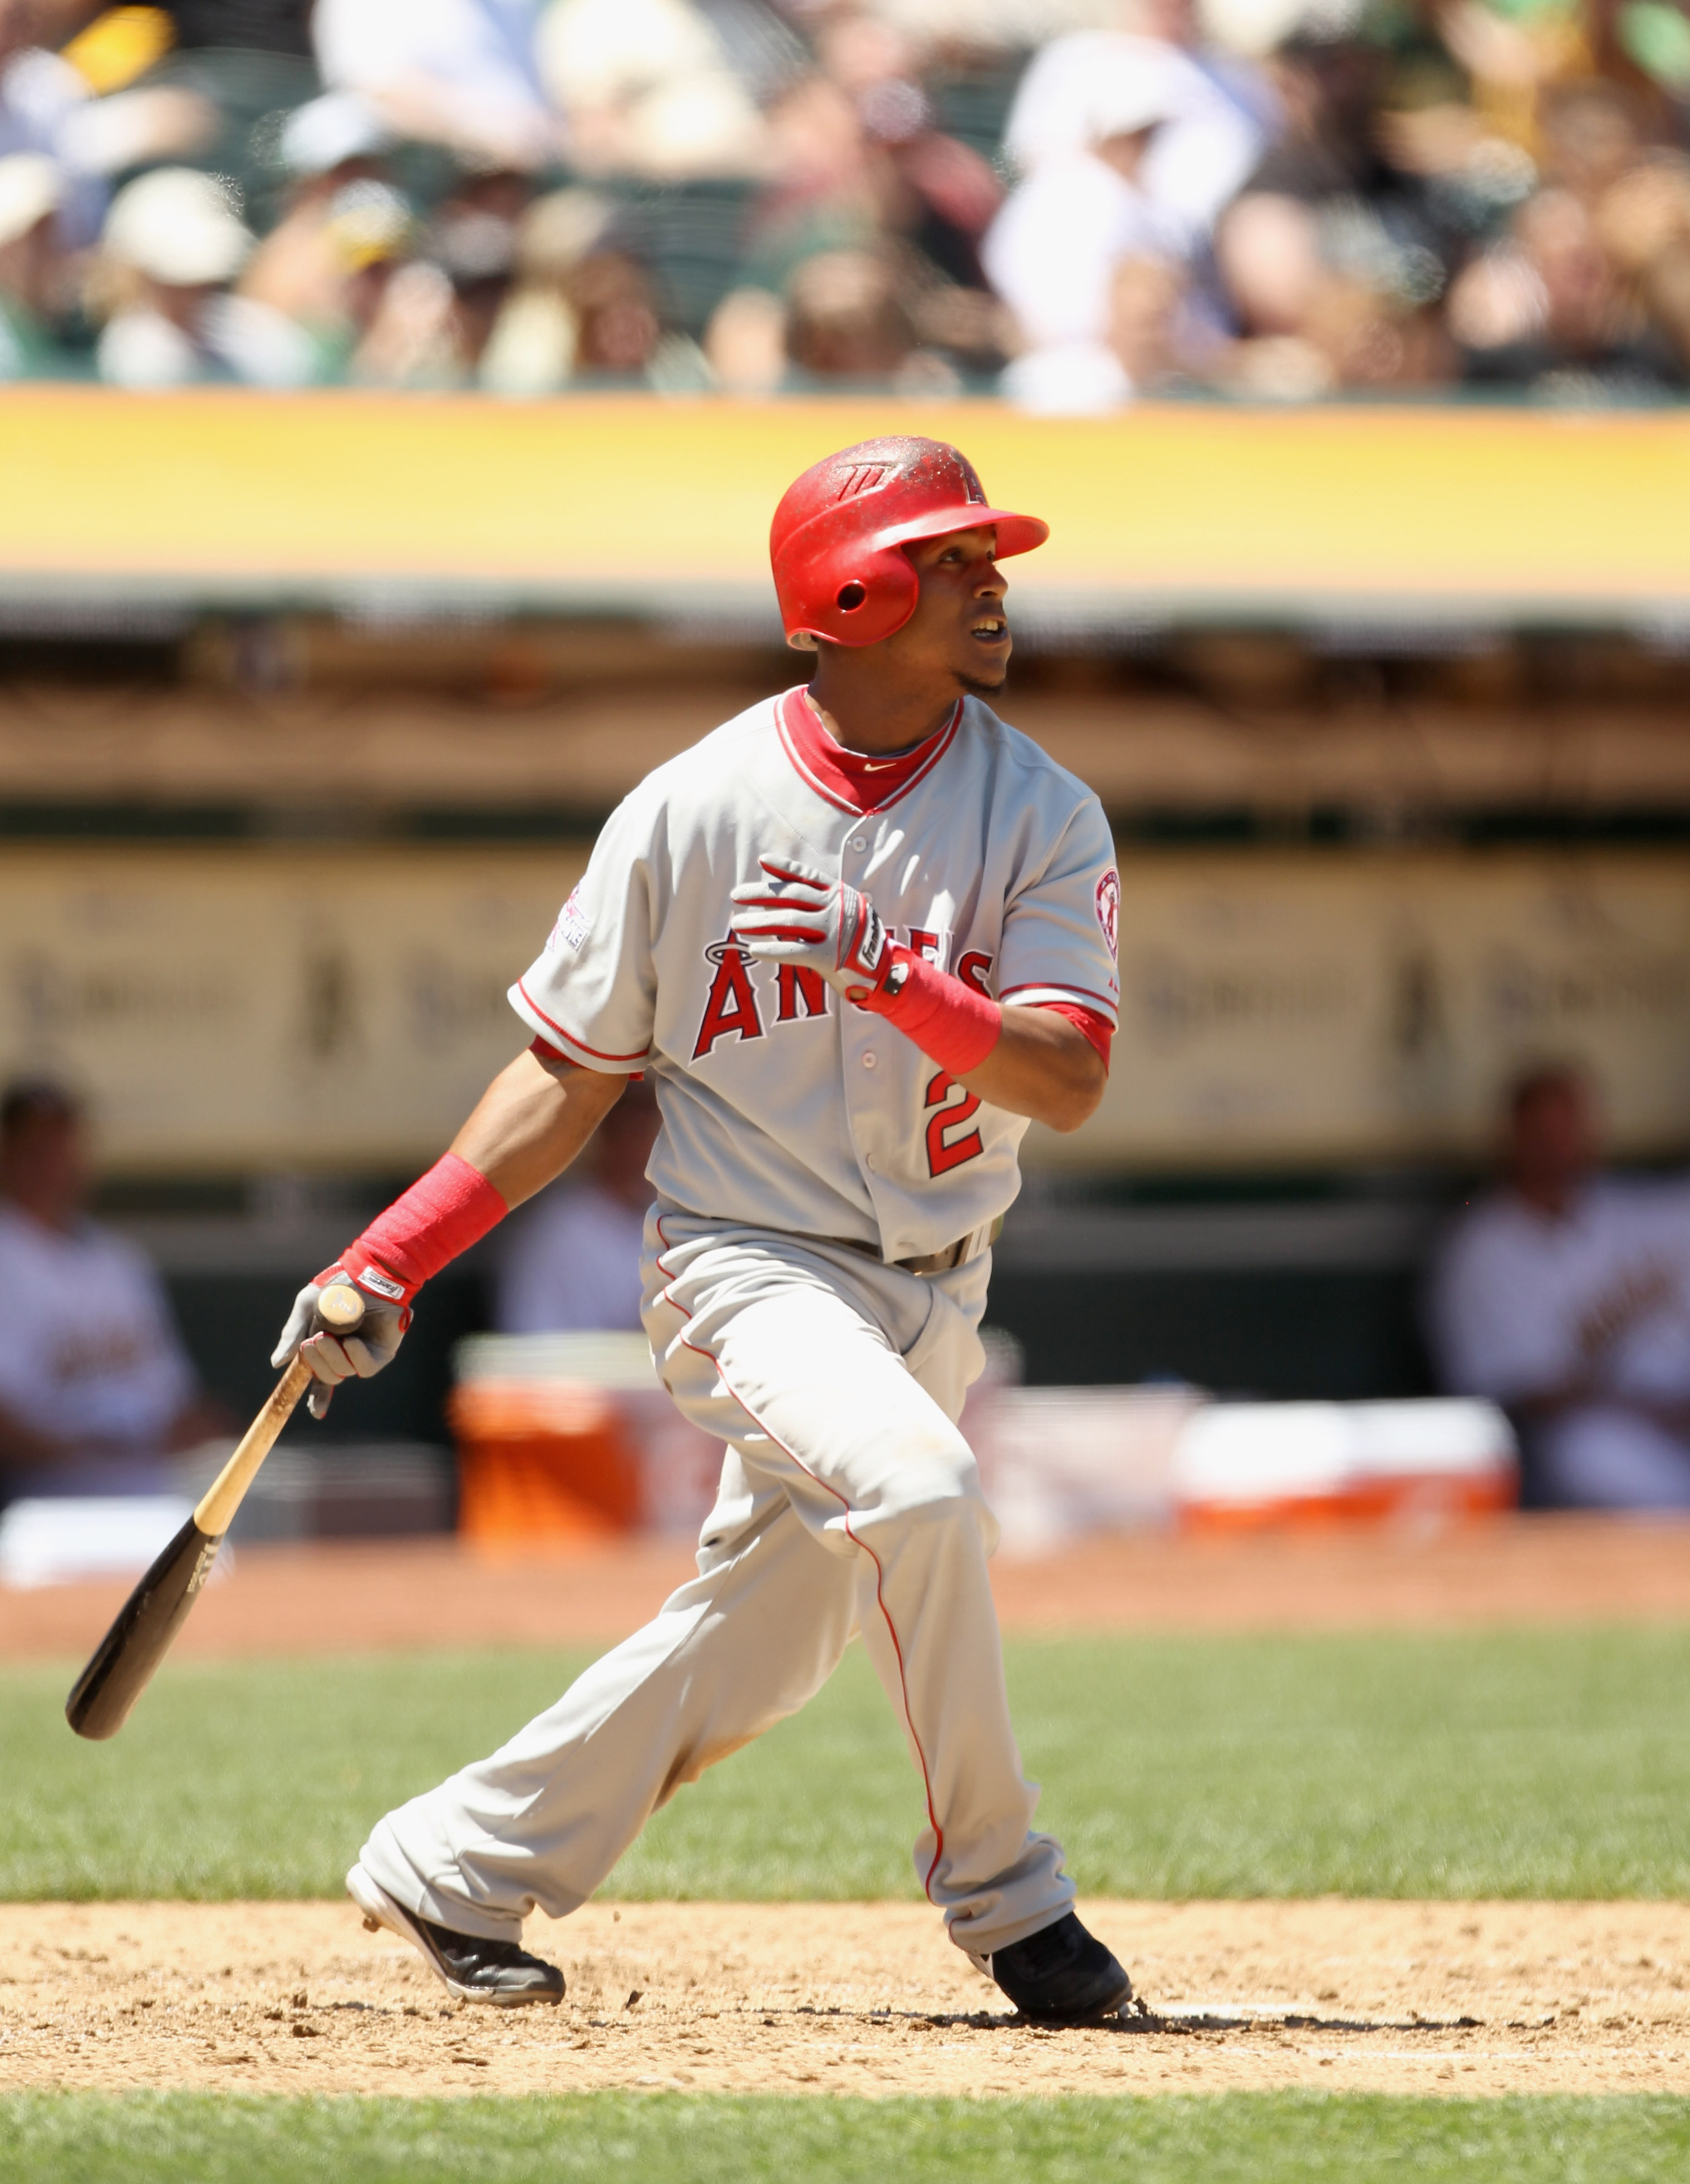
x,y
853,592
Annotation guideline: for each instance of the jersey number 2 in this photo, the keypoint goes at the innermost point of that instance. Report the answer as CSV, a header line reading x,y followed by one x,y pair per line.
x,y
944,1153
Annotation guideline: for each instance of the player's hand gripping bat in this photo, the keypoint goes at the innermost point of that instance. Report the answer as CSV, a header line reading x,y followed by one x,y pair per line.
x,y
123,1663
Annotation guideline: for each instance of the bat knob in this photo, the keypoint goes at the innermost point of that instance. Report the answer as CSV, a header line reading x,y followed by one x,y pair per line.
x,y
340,1308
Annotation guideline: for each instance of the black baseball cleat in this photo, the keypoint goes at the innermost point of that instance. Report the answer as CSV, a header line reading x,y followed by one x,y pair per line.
x,y
468,1968
1061,1975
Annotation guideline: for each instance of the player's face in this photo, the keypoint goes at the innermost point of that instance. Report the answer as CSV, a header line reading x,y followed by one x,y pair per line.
x,y
45,1167
1555,1137
959,627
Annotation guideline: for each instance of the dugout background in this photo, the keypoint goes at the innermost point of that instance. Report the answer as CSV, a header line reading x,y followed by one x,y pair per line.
x,y
309,709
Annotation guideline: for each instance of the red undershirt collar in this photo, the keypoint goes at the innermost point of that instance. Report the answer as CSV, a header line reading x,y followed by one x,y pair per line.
x,y
857,781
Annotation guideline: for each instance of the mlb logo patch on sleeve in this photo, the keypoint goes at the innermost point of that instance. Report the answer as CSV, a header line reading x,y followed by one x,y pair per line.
x,y
574,925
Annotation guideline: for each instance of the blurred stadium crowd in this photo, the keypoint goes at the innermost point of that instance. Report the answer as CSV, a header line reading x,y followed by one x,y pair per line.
x,y
1078,201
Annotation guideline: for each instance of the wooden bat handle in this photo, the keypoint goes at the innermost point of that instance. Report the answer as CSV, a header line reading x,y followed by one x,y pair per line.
x,y
340,1308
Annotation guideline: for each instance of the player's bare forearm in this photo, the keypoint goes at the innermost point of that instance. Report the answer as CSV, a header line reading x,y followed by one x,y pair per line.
x,y
532,1120
1044,1066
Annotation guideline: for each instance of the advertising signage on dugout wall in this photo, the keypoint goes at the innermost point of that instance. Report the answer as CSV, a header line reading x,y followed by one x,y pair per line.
x,y
298,1009
1470,515
1368,1008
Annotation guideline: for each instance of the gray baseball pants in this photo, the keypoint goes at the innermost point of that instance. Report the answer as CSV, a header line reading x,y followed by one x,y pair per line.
x,y
849,1505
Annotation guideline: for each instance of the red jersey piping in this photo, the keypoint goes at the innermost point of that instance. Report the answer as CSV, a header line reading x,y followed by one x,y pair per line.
x,y
597,1053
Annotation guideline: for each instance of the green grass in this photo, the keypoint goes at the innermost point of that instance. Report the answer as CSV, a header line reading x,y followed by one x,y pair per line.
x,y
1239,2138
1545,1763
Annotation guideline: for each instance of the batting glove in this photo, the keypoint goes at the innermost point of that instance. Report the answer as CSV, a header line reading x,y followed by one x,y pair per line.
x,y
333,1358
795,915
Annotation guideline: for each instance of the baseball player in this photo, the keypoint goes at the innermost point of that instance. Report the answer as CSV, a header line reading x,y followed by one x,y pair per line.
x,y
856,938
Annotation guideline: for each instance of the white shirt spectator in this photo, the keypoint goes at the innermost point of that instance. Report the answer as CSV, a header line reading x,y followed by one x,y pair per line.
x,y
573,1265
38,90
1052,251
232,336
1070,379
89,1353
462,71
1201,158
1524,1304
42,99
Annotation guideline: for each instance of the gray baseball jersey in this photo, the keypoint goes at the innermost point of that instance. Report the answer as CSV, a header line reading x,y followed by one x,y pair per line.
x,y
782,1105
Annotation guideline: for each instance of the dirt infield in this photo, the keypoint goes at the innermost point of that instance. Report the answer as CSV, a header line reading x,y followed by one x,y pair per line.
x,y
1411,1998
324,1599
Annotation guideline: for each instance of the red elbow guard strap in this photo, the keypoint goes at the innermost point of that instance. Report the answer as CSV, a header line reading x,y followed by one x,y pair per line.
x,y
442,1214
951,1022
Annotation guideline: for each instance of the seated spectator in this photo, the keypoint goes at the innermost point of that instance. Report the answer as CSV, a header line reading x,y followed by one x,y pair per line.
x,y
1643,220
1208,139
41,99
577,302
473,241
1316,315
847,317
326,147
645,87
862,257
363,248
1561,302
878,315
572,1260
746,342
520,299
1548,310
458,73
172,246
37,88
95,1387
617,331
30,191
195,82
1335,255
1093,255
935,191
88,107
1150,346
1566,1296
1052,250
1255,197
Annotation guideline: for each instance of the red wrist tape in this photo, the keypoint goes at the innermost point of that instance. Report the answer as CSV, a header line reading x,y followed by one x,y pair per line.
x,y
948,1020
442,1214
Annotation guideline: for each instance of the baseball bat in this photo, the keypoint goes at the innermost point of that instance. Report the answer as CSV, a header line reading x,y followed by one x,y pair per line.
x,y
122,1664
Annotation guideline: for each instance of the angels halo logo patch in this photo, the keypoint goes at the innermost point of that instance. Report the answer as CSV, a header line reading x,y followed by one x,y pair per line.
x,y
1108,903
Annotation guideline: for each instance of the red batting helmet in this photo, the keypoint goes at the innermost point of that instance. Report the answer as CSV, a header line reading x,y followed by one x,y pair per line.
x,y
838,535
